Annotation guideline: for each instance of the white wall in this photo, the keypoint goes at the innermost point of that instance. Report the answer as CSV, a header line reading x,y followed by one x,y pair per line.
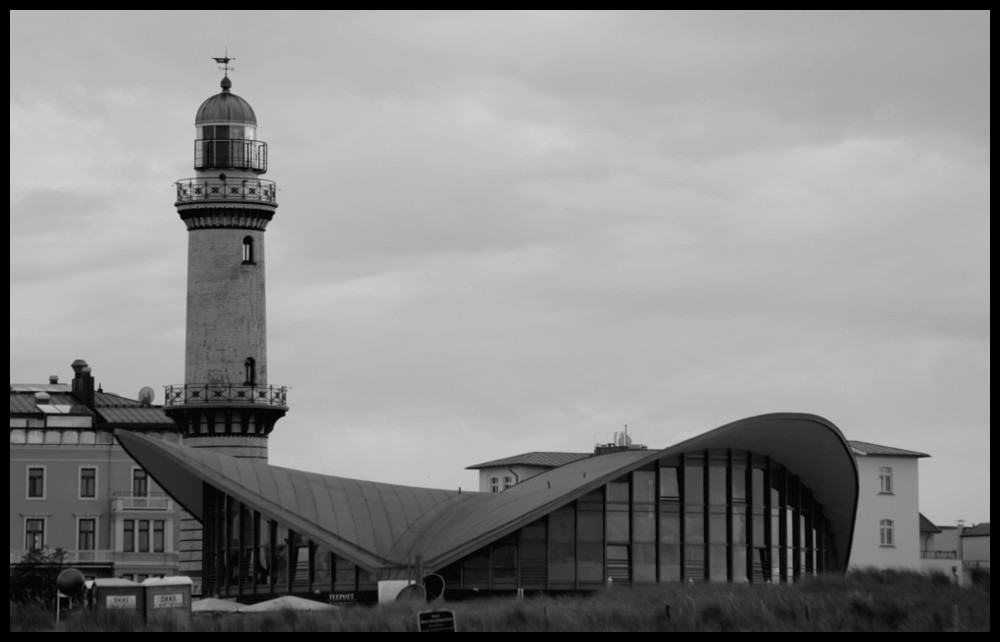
x,y
902,507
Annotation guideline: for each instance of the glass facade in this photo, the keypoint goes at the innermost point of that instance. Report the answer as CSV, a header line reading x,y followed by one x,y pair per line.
x,y
718,515
246,554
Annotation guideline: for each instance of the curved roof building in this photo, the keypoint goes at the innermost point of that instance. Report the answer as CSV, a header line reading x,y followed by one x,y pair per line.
x,y
764,499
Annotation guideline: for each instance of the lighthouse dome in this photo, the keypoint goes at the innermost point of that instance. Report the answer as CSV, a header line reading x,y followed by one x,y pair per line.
x,y
225,107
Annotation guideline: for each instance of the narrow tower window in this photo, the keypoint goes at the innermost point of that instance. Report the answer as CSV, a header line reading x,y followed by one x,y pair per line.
x,y
251,371
247,249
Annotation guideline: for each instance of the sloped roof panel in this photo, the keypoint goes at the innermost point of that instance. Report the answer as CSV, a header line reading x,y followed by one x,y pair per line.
x,y
541,459
864,448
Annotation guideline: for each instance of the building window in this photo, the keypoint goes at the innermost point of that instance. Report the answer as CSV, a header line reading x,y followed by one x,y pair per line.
x,y
88,483
142,545
250,368
247,250
886,535
140,482
508,481
885,480
36,482
128,543
494,484
87,534
34,534
158,528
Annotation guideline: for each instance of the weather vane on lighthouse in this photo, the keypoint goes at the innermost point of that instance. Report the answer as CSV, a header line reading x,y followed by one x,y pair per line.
x,y
224,61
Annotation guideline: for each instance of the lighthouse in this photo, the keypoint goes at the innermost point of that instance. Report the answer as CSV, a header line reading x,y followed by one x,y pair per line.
x,y
226,402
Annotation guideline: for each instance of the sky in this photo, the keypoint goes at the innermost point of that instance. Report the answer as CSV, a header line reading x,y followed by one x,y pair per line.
x,y
502,232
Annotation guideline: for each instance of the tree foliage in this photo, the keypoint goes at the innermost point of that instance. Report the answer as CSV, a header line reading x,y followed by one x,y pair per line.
x,y
33,579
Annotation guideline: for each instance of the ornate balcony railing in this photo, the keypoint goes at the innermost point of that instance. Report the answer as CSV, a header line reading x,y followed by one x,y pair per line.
x,y
130,502
939,555
189,393
257,190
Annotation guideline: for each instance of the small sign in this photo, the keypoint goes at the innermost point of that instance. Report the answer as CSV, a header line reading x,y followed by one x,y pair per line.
x,y
120,602
168,601
436,621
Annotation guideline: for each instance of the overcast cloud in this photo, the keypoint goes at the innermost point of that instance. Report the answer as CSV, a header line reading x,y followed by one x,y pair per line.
x,y
503,231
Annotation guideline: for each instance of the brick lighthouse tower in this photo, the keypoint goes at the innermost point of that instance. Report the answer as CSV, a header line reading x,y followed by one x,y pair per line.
x,y
225,403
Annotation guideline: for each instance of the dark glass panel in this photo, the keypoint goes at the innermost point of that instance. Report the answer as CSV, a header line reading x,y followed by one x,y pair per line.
x,y
694,528
617,524
717,563
322,570
644,525
618,490
562,527
643,486
717,527
739,554
670,527
590,562
644,563
694,482
669,484
670,563
717,483
590,526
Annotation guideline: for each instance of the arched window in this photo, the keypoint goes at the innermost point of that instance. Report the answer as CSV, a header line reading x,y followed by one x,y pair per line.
x,y
247,249
494,484
885,480
886,535
250,365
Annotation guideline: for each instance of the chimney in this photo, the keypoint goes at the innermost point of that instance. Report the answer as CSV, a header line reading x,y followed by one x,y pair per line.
x,y
83,383
53,379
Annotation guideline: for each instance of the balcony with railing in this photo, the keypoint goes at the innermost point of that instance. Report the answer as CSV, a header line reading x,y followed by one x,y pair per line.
x,y
939,555
225,153
191,394
125,502
98,557
253,190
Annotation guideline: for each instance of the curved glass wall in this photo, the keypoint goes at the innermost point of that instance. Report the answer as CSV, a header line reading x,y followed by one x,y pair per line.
x,y
717,515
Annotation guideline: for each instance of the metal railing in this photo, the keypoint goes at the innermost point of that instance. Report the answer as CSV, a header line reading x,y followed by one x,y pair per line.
x,y
939,555
105,557
223,153
127,502
186,394
255,190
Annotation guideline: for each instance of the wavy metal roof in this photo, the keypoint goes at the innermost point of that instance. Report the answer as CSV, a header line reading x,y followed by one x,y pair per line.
x,y
546,459
385,526
863,448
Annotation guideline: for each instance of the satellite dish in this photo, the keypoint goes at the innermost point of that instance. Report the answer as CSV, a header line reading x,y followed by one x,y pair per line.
x,y
146,395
